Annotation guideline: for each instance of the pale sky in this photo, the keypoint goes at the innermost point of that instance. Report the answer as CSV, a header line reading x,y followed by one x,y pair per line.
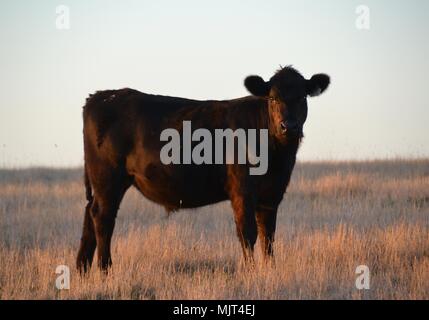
x,y
376,106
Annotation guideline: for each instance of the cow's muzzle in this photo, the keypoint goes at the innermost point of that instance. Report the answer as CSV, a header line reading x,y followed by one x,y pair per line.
x,y
290,128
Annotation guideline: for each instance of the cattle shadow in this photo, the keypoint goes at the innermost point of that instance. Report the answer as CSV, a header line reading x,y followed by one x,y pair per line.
x,y
228,267
139,292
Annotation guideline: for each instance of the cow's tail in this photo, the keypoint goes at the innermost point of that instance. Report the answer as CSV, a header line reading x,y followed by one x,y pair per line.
x,y
88,188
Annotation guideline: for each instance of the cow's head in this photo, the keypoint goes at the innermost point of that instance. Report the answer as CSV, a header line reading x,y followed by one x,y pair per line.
x,y
287,93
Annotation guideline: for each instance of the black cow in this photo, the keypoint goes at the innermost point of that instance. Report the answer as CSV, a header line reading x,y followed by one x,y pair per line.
x,y
122,148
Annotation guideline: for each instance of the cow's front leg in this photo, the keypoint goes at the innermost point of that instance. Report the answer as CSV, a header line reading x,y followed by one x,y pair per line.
x,y
245,222
266,222
243,201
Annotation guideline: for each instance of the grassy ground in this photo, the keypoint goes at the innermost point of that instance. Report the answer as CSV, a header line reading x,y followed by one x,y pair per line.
x,y
335,217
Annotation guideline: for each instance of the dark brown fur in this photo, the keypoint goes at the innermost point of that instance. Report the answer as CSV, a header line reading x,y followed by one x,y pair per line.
x,y
122,147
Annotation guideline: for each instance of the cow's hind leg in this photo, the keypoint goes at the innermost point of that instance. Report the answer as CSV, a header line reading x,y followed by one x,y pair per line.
x,y
87,242
107,187
107,199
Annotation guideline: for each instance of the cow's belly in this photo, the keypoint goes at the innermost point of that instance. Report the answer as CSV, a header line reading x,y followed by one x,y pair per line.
x,y
180,186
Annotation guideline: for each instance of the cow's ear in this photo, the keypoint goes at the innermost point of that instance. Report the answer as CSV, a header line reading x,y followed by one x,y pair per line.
x,y
257,86
317,84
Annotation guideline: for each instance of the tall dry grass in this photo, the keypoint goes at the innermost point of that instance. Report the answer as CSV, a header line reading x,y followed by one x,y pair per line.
x,y
334,217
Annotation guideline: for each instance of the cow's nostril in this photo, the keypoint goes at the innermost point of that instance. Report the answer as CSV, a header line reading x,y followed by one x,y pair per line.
x,y
292,126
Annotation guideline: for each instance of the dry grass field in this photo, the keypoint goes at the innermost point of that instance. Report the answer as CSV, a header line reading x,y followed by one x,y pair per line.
x,y
334,217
